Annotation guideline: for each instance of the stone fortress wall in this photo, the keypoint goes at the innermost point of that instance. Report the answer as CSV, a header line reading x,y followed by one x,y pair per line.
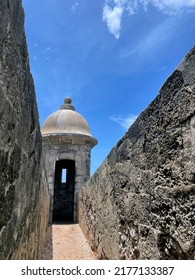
x,y
140,203
24,199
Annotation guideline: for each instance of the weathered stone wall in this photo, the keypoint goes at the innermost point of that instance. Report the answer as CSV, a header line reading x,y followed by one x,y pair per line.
x,y
23,203
140,203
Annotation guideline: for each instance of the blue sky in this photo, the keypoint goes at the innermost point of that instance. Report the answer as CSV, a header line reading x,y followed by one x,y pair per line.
x,y
110,56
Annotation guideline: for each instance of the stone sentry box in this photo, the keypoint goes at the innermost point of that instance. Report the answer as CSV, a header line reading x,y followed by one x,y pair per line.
x,y
67,144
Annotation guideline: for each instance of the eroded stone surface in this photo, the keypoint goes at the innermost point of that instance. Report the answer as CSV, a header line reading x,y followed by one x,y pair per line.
x,y
23,203
140,203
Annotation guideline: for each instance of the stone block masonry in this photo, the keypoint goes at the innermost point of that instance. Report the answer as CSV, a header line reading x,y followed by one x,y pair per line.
x,y
67,144
78,154
140,203
23,191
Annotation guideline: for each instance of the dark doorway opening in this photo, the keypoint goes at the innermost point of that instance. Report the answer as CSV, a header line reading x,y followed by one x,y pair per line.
x,y
64,184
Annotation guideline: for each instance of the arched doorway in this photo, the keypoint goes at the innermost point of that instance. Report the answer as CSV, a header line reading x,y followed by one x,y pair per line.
x,y
64,185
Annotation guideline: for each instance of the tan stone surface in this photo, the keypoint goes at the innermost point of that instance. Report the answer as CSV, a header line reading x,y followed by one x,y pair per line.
x,y
66,242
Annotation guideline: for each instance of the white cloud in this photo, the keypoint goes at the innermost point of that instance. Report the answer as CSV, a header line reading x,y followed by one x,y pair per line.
x,y
132,6
114,9
124,121
74,7
113,19
165,6
171,6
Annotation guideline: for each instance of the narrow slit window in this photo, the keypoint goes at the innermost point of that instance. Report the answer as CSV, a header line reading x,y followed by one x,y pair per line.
x,y
64,175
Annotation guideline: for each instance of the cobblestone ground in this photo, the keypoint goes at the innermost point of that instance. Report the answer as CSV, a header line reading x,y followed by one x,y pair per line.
x,y
66,242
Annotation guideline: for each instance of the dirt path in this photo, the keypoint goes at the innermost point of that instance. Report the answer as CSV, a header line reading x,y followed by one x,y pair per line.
x,y
66,242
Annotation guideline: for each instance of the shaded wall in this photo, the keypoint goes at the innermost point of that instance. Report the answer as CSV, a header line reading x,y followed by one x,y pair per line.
x,y
140,202
23,192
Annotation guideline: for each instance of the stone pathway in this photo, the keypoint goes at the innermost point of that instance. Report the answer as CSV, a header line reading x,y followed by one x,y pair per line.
x,y
66,242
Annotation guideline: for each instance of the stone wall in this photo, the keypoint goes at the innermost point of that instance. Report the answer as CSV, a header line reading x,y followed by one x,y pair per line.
x,y
23,203
140,202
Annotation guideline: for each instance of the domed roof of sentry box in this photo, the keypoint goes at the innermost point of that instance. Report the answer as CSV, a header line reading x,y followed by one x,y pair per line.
x,y
65,121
